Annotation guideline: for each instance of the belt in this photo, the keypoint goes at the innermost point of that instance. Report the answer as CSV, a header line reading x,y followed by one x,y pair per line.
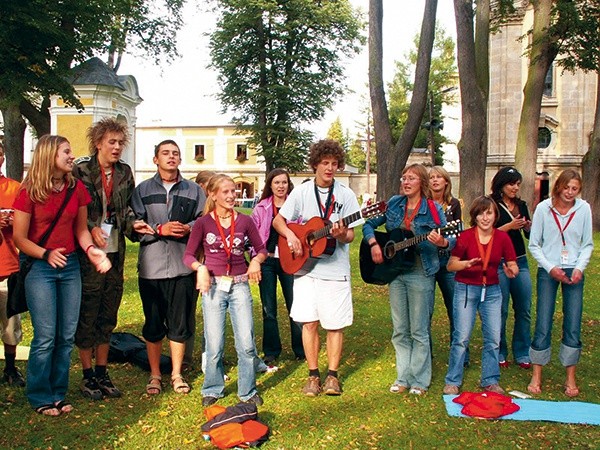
x,y
236,279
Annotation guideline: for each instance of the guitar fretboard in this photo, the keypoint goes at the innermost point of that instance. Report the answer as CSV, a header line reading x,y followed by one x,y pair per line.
x,y
326,230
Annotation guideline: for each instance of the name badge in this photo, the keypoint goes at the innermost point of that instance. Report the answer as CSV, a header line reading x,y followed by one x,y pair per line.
x,y
225,283
564,256
482,294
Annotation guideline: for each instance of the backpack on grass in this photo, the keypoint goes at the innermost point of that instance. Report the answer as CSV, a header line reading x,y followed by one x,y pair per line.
x,y
126,347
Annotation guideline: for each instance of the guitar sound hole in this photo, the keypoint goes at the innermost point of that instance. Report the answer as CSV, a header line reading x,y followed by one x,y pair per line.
x,y
389,251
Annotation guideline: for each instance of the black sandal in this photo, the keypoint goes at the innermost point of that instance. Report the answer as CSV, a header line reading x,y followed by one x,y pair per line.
x,y
44,410
64,407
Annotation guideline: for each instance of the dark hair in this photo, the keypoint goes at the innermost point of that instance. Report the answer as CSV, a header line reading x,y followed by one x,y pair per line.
x,y
562,181
96,133
268,191
506,175
481,204
165,142
326,148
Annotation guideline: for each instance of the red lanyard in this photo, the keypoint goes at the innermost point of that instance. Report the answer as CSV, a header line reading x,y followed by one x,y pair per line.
x,y
408,220
107,185
562,229
231,238
484,255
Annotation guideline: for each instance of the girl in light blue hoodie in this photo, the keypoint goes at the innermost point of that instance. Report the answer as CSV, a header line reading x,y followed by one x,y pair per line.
x,y
561,242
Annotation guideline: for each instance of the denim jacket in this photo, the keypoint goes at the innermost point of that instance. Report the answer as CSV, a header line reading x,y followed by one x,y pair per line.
x,y
423,223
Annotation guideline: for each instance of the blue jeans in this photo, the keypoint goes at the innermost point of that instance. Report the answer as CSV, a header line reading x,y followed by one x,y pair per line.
x,y
519,288
410,302
53,298
271,270
214,306
572,294
467,301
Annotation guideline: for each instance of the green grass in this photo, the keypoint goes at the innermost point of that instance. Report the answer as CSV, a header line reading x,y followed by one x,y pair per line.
x,y
365,416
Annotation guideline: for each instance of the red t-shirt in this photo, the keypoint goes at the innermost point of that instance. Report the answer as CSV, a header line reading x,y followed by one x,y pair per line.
x,y
466,248
42,215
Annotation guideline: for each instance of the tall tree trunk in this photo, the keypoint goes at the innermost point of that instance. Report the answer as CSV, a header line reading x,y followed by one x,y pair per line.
x,y
472,147
391,160
381,120
590,166
38,116
541,56
14,140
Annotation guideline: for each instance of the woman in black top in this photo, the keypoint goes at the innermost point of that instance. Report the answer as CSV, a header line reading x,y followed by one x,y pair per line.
x,y
515,220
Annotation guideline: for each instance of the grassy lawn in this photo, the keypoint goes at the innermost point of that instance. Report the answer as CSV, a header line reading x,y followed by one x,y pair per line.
x,y
365,416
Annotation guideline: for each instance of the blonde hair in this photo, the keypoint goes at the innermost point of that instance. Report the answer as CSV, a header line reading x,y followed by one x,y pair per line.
x,y
214,183
38,182
421,171
447,195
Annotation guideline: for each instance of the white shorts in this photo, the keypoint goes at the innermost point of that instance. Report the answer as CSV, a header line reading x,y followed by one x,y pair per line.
x,y
10,328
326,301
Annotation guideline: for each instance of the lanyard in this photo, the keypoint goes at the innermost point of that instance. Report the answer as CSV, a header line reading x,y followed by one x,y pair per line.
x,y
562,229
485,255
408,220
325,211
231,236
107,185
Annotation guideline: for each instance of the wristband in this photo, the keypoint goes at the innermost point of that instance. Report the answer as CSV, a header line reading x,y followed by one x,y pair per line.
x,y
46,255
159,229
88,248
373,244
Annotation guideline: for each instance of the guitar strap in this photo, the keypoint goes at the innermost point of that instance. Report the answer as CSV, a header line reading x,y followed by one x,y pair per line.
x,y
325,212
434,213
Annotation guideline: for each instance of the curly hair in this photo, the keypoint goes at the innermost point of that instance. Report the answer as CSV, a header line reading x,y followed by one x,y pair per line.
x,y
38,182
323,149
96,133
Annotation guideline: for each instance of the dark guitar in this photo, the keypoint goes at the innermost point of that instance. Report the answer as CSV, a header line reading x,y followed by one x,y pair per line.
x,y
314,237
398,248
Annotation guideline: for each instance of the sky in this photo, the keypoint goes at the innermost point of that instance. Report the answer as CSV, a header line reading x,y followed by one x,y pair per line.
x,y
182,92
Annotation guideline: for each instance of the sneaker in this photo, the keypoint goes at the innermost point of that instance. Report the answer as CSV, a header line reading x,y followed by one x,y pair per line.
x,y
312,388
332,386
398,388
89,388
256,399
417,391
494,388
504,364
208,400
451,389
14,377
525,365
107,387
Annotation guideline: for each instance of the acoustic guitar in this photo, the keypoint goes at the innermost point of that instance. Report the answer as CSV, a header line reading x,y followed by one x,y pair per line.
x,y
398,248
315,236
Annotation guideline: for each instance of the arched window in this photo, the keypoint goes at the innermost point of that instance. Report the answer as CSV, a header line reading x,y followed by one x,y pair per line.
x,y
544,137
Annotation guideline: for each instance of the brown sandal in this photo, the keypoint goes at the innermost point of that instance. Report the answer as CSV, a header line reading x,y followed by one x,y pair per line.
x,y
153,388
179,384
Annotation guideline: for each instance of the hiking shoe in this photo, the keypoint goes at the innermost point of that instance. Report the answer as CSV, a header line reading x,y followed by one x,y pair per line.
x,y
90,388
107,387
312,388
494,388
208,400
14,378
332,386
451,389
256,399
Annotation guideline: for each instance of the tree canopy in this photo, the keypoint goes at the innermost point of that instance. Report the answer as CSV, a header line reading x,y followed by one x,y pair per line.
x,y
279,64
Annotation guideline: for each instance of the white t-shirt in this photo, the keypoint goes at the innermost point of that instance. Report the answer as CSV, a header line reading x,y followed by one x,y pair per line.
x,y
302,205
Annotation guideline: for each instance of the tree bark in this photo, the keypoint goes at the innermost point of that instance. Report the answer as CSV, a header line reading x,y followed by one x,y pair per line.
x,y
541,56
14,140
472,147
392,159
590,165
38,118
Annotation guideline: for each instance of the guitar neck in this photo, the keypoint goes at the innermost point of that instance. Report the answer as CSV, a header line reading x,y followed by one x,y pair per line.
x,y
326,230
410,242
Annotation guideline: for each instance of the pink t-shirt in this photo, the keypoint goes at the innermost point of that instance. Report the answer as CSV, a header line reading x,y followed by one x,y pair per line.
x,y
42,215
466,248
